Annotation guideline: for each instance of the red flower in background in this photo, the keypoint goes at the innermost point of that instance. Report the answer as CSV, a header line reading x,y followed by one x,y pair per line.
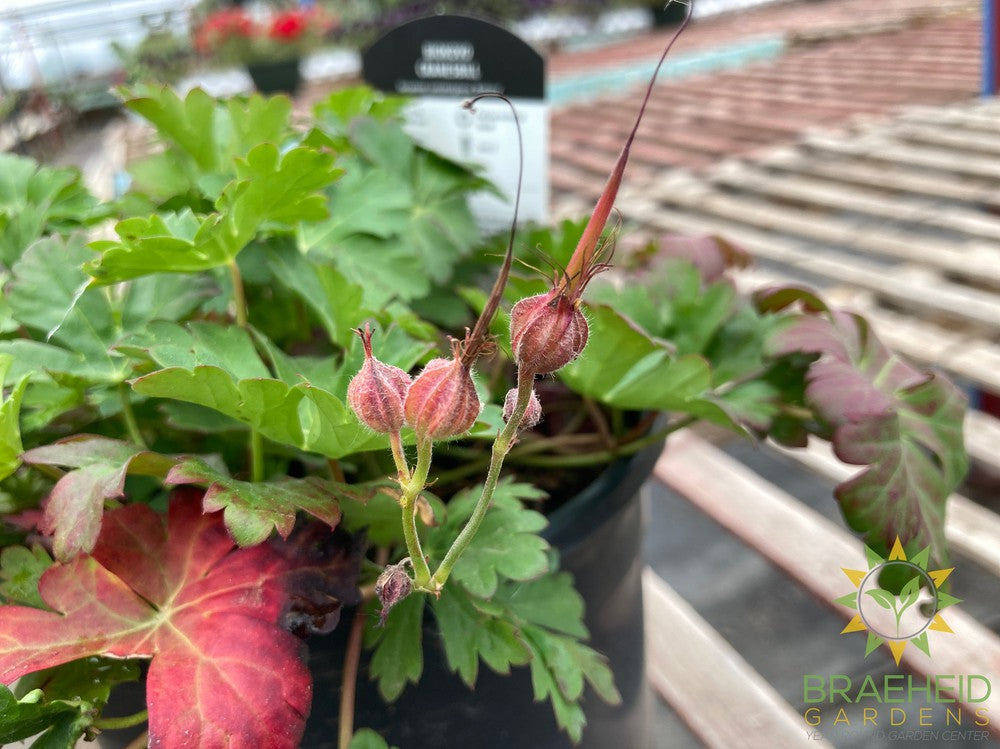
x,y
223,26
289,25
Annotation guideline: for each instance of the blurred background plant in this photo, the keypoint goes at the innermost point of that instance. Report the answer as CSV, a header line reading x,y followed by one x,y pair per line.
x,y
260,33
164,55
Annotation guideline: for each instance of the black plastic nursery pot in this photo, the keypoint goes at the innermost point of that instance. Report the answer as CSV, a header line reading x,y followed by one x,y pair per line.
x,y
598,534
279,77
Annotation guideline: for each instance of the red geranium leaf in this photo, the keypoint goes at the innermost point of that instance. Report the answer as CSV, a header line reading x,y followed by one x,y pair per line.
x,y
223,672
74,508
903,424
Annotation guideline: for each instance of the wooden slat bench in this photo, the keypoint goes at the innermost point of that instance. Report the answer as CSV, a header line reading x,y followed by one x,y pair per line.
x,y
900,220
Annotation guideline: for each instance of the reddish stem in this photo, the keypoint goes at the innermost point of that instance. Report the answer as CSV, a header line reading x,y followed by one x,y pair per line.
x,y
583,256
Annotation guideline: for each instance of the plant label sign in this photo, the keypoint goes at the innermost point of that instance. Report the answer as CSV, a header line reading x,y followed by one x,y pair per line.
x,y
443,60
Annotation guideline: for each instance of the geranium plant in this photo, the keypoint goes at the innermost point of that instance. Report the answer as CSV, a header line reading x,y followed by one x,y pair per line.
x,y
234,36
256,405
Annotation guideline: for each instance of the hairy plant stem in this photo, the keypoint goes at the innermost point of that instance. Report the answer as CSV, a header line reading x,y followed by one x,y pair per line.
x,y
240,302
349,683
399,457
131,425
126,721
408,501
501,446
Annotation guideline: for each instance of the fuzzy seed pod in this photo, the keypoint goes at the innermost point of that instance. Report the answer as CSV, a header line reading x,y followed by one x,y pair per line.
x,y
547,332
532,414
391,587
377,392
442,401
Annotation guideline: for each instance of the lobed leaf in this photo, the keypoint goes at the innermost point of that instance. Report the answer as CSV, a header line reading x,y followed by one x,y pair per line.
x,y
469,635
222,672
506,545
398,659
36,201
10,425
75,507
270,187
252,510
25,717
20,570
645,373
903,424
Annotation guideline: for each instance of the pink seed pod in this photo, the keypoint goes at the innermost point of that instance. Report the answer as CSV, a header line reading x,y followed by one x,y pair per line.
x,y
532,414
377,392
547,332
391,587
442,401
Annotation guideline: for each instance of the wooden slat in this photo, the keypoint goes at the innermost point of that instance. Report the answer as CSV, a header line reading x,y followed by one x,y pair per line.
x,y
914,289
714,690
827,196
982,440
748,209
894,177
972,530
811,549
952,137
884,149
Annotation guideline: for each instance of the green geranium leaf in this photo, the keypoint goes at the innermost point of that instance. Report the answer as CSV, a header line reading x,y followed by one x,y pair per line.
x,y
559,667
366,738
506,545
550,601
644,372
48,294
188,123
304,416
75,507
398,658
252,510
399,219
346,104
336,301
202,137
469,635
229,348
21,719
87,679
10,424
286,188
283,189
539,622
38,200
20,570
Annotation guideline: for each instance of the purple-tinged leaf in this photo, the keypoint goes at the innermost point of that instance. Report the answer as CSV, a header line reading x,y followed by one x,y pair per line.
x,y
74,509
903,424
